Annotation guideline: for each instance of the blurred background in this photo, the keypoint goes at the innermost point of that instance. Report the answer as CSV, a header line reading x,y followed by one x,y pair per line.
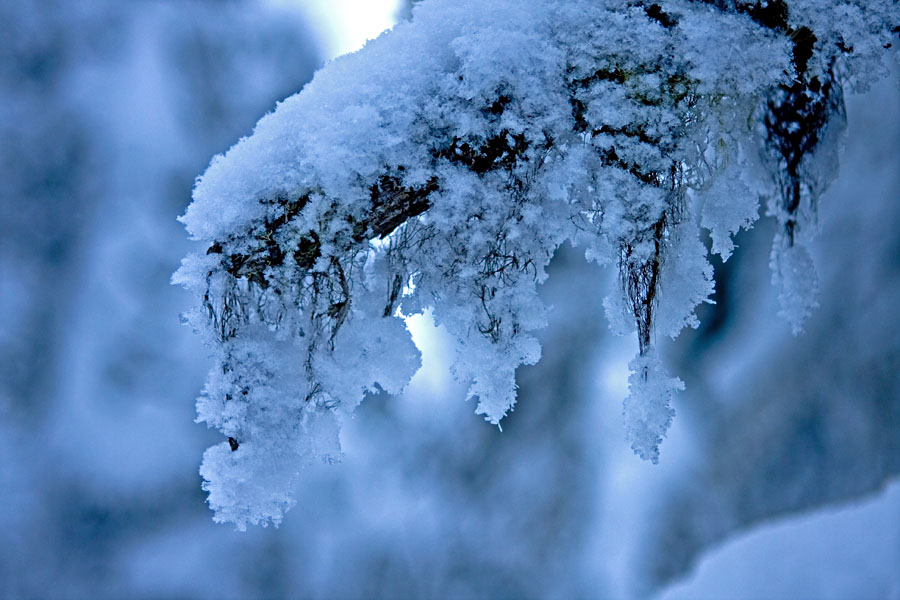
x,y
779,478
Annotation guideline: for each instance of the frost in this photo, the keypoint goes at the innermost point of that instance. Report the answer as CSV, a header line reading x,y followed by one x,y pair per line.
x,y
729,203
648,411
443,165
794,276
269,493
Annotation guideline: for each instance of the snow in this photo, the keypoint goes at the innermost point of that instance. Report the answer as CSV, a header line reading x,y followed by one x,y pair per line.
x,y
503,129
838,552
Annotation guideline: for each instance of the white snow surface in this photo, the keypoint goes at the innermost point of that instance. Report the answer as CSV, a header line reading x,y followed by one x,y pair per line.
x,y
839,552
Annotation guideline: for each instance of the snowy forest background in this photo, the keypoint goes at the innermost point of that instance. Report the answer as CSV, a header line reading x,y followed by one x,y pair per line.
x,y
778,479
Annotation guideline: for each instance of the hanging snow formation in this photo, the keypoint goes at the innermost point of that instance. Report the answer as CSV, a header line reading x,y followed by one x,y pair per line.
x,y
444,164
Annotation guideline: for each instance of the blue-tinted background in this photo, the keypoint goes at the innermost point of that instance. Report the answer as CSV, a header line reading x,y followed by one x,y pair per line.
x,y
779,477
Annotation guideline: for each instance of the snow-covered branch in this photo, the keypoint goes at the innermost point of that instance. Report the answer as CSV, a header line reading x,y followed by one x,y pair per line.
x,y
444,164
